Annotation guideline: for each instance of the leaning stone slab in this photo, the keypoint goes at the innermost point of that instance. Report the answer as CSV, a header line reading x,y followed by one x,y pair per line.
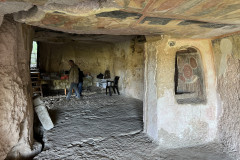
x,y
42,114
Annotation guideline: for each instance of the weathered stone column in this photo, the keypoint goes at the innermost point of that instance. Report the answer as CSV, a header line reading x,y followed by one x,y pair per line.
x,y
150,116
16,112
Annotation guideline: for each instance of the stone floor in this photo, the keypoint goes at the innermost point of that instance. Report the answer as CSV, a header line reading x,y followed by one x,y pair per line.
x,y
99,127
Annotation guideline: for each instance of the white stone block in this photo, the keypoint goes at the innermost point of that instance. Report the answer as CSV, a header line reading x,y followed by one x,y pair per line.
x,y
44,117
37,101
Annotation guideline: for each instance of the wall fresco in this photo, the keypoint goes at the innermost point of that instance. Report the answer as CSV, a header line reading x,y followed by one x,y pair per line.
x,y
189,78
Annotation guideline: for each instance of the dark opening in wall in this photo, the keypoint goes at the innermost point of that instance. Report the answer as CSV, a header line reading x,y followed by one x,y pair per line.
x,y
189,79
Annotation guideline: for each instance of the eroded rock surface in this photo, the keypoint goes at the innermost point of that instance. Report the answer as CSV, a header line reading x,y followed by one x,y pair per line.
x,y
227,64
15,97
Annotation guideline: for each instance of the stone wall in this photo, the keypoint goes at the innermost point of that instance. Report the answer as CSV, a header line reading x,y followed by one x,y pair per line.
x,y
166,121
16,113
227,64
128,63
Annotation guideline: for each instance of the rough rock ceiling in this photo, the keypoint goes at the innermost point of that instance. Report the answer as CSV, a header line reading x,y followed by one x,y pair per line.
x,y
179,18
49,36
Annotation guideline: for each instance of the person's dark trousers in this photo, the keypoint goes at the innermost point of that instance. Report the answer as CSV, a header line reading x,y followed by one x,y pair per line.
x,y
80,84
75,87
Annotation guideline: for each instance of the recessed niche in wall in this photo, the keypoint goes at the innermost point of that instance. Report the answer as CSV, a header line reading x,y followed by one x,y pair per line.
x,y
189,79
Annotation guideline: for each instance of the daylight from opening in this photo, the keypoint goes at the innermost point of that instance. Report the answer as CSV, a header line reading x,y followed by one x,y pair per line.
x,y
34,55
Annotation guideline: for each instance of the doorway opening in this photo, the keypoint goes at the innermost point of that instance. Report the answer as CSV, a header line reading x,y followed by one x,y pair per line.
x,y
34,56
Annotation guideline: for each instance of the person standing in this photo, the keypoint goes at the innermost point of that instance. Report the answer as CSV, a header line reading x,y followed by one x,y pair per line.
x,y
80,80
73,79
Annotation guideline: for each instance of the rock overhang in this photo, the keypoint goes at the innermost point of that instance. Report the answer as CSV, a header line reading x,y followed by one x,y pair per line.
x,y
178,18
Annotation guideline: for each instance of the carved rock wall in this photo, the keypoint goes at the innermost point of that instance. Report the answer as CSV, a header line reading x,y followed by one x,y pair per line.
x,y
92,58
16,113
128,63
227,64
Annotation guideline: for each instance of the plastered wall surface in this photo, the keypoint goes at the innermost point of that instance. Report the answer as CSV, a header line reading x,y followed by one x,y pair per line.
x,y
16,113
128,63
167,122
94,58
150,116
227,64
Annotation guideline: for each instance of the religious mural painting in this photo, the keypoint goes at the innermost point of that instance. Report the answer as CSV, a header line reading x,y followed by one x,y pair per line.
x,y
189,79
